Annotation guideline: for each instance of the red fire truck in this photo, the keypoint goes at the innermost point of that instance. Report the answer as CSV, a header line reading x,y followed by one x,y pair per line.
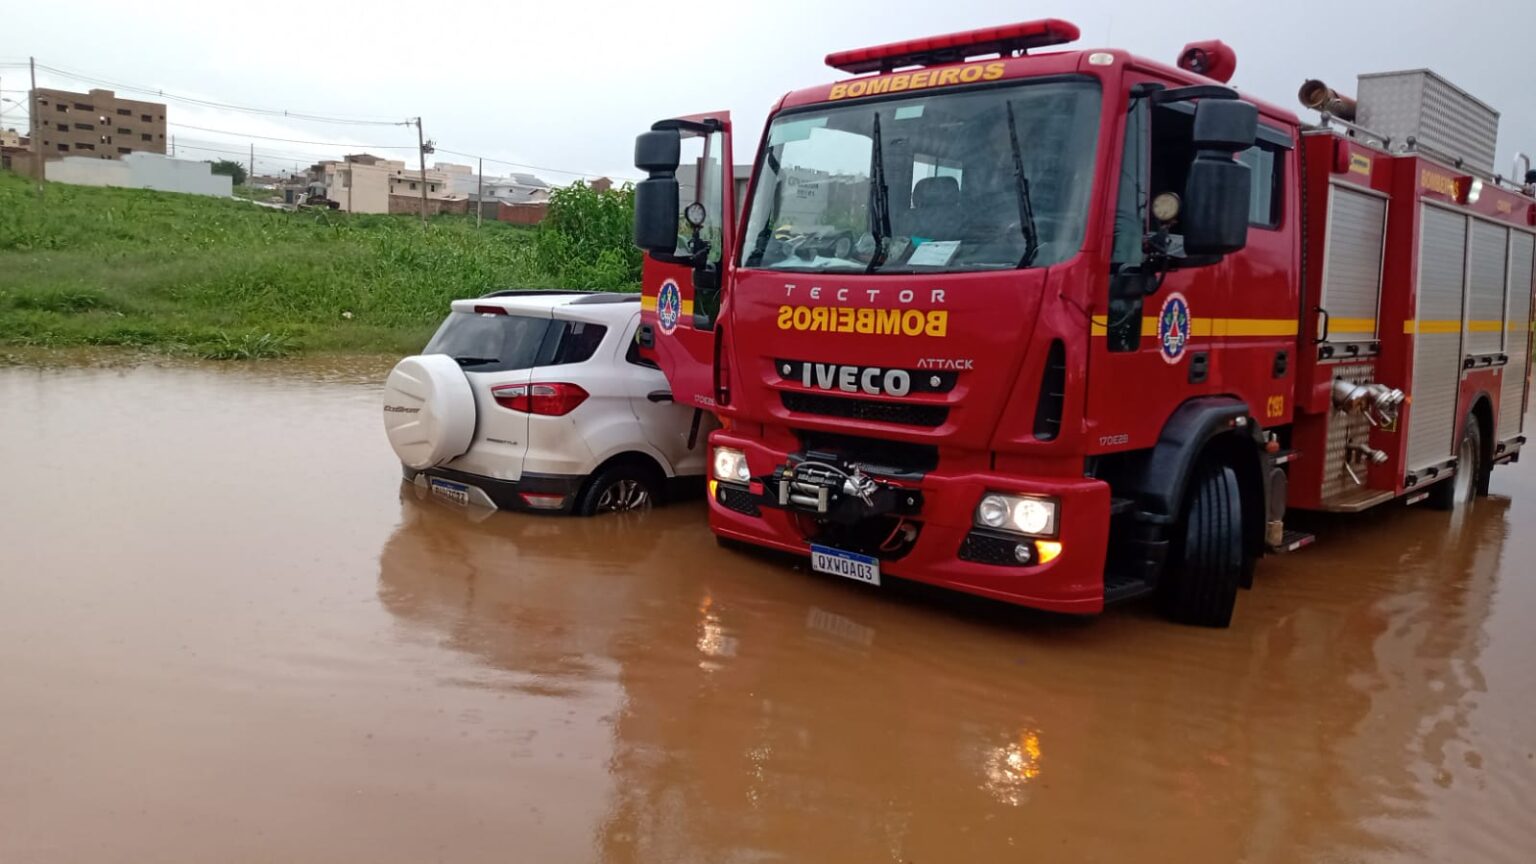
x,y
1064,327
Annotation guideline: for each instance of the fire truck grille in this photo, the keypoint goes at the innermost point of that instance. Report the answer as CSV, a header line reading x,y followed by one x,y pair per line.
x,y
990,549
740,500
928,416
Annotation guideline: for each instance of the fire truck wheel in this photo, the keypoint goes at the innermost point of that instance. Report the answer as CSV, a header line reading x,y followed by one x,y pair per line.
x,y
1201,589
1463,487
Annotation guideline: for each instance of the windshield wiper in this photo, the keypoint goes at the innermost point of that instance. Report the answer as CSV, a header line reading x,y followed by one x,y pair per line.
x,y
879,199
760,247
476,361
1021,184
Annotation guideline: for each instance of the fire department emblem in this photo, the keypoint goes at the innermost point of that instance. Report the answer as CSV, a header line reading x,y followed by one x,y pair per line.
x,y
1173,327
669,305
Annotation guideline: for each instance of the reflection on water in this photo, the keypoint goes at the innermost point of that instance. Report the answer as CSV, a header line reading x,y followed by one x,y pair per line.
x,y
395,679
764,709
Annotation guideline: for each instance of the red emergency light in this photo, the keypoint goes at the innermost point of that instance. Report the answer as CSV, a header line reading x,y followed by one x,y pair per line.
x,y
955,47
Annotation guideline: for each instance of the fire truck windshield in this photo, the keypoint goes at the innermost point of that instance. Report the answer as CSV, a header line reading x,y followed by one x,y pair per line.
x,y
953,173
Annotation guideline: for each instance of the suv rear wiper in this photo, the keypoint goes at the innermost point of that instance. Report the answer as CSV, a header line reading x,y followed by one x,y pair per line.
x,y
476,361
879,199
1021,184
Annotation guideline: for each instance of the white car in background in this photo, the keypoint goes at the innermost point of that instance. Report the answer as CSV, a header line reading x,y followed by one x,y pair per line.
x,y
539,400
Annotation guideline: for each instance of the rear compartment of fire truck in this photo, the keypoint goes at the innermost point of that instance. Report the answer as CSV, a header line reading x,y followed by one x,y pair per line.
x,y
1419,281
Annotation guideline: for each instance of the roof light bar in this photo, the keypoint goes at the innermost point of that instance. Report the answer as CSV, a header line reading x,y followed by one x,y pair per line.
x,y
955,47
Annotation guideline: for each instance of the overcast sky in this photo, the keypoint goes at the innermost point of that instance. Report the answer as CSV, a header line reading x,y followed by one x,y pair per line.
x,y
568,84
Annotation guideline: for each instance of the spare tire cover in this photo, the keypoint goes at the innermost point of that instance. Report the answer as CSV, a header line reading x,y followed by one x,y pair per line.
x,y
429,410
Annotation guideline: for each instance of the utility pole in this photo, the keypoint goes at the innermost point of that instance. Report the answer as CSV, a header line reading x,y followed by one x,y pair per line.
x,y
421,150
253,163
479,191
173,146
35,126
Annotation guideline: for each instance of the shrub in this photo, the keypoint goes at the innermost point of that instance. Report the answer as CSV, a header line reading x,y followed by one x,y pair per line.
x,y
587,238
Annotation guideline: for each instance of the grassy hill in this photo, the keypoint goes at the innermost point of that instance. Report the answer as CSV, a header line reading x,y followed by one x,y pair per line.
x,y
225,278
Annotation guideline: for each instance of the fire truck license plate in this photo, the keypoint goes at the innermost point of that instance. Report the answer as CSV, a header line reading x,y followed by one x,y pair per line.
x,y
850,565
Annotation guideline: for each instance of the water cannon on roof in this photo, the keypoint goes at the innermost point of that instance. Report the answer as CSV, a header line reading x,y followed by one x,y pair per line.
x,y
1009,39
1320,97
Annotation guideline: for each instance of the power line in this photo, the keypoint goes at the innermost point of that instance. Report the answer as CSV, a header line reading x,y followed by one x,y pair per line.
x,y
338,144
522,165
214,146
291,115
270,112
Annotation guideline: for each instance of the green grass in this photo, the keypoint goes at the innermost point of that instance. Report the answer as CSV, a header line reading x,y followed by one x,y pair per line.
x,y
225,279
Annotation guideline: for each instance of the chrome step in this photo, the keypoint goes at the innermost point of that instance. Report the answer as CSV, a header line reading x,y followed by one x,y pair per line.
x,y
1291,541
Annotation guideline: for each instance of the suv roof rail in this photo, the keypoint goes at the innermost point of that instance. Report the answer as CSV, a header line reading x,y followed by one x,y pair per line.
x,y
606,297
529,292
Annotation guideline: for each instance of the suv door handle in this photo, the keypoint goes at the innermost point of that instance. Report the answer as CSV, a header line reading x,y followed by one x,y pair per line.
x,y
659,396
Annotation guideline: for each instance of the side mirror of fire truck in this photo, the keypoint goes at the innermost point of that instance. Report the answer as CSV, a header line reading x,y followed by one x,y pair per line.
x,y
1216,194
657,153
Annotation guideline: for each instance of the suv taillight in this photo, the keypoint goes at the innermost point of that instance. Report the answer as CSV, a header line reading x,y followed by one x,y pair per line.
x,y
550,400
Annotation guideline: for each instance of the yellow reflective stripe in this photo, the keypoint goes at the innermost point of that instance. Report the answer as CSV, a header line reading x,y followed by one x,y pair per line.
x,y
648,304
1351,325
1208,327
1252,327
1452,326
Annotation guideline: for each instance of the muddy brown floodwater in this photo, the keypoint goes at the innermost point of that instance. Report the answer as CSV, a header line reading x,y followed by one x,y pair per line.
x,y
227,634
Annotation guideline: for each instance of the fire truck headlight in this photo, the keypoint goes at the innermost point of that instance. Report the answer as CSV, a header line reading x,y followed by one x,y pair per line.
x,y
731,465
993,512
1019,514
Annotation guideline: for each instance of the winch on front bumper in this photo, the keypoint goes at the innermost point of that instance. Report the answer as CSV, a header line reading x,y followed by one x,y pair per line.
x,y
834,491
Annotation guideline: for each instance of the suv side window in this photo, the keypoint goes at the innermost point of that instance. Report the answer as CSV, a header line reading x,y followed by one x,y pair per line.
x,y
633,355
578,341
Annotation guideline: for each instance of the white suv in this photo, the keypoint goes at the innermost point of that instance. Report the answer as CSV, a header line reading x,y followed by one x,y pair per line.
x,y
539,400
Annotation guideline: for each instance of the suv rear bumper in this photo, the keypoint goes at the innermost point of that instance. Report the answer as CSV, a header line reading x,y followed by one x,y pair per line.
x,y
1073,582
510,494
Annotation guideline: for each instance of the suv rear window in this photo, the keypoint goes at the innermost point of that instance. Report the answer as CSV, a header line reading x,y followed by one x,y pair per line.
x,y
501,343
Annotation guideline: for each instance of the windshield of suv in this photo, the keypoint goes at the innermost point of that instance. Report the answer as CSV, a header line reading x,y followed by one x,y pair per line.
x,y
997,178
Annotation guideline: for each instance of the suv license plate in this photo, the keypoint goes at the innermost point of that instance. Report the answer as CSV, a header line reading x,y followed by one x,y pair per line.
x,y
448,490
850,565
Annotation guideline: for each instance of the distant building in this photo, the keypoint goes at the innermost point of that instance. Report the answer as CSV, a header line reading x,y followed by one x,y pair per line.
x,y
96,124
364,183
740,175
515,189
15,152
140,171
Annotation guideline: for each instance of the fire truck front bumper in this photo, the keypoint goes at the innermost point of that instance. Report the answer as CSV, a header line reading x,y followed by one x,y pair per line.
x,y
922,528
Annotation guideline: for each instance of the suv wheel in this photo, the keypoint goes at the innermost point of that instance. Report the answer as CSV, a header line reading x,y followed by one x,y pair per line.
x,y
618,489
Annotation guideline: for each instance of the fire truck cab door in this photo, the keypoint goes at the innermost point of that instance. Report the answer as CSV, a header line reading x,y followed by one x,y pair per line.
x,y
681,305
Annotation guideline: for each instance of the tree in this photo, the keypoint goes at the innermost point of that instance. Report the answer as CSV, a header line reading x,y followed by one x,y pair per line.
x,y
232,169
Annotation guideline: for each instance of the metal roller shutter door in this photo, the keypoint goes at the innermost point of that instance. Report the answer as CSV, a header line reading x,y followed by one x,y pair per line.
x,y
1352,264
1522,273
1485,288
1437,342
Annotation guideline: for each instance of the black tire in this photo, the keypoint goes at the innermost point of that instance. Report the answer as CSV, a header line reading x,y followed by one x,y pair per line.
x,y
619,488
1201,588
1470,479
